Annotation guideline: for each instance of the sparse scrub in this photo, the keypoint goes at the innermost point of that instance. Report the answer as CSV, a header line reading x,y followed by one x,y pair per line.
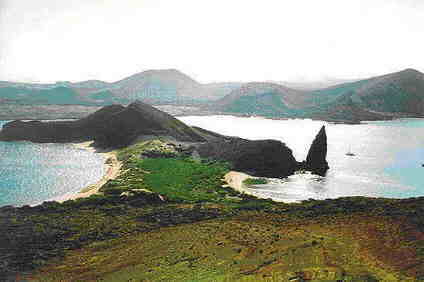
x,y
255,181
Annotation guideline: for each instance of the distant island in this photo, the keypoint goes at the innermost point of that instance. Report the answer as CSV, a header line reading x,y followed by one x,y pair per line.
x,y
383,97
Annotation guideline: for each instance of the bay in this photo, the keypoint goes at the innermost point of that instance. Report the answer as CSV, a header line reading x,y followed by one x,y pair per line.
x,y
31,173
387,161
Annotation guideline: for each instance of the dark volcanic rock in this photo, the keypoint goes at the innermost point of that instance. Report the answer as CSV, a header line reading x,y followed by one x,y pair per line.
x,y
59,131
142,119
316,159
266,158
111,126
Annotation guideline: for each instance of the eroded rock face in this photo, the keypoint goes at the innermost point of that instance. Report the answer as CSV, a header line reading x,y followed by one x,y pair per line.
x,y
266,158
316,160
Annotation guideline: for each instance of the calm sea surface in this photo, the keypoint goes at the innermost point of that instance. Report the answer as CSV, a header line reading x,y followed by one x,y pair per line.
x,y
387,161
32,173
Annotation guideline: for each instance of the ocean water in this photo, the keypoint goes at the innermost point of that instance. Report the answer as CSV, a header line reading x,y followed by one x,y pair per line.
x,y
387,161
32,173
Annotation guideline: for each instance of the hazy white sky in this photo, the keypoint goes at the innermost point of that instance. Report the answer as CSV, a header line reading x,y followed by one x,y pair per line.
x,y
210,40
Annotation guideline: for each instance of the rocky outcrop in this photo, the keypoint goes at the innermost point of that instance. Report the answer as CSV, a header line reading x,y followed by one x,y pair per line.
x,y
316,159
266,158
111,126
140,119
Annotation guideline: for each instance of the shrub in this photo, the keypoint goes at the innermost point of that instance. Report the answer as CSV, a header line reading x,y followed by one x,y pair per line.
x,y
255,181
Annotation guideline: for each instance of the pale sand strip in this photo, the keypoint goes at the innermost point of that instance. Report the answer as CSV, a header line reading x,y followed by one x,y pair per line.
x,y
113,170
235,180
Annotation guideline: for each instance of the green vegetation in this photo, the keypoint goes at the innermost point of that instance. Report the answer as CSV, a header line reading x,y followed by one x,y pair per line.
x,y
133,152
255,181
179,180
185,180
266,104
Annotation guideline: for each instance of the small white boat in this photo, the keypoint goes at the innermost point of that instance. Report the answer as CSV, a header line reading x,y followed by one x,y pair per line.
x,y
349,153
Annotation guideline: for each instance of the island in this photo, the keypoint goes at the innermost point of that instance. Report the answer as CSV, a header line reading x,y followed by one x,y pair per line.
x,y
178,211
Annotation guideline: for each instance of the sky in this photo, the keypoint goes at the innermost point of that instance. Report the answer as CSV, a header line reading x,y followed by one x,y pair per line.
x,y
209,40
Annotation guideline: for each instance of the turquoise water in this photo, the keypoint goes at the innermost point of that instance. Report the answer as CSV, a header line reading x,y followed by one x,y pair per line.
x,y
387,161
32,173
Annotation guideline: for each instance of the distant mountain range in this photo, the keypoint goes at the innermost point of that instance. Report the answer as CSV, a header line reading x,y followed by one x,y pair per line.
x,y
376,98
382,97
152,86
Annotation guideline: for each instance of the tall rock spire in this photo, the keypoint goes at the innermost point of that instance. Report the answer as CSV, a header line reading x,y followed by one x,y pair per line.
x,y
316,159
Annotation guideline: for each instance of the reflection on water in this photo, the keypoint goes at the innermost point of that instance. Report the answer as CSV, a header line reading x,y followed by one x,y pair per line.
x,y
31,173
387,161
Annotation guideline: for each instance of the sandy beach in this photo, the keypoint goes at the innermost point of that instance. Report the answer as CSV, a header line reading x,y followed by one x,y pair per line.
x,y
113,170
235,180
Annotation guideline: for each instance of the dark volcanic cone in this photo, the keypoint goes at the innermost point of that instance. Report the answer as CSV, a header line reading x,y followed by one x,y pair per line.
x,y
140,119
111,126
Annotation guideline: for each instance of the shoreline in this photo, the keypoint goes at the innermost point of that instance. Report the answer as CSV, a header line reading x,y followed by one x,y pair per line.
x,y
235,180
113,169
